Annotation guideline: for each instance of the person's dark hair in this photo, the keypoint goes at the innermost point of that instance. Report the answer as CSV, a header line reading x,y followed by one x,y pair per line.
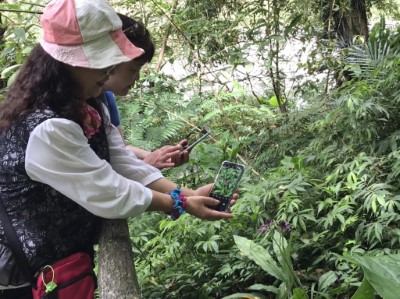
x,y
138,35
41,82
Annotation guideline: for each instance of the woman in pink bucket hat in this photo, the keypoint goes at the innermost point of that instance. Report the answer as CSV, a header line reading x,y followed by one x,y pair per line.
x,y
62,166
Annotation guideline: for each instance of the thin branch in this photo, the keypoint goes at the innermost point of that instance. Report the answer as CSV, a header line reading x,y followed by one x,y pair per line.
x,y
22,11
34,4
182,34
165,41
252,88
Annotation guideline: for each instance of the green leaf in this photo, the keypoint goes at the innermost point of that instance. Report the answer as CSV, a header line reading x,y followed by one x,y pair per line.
x,y
245,296
8,71
20,34
373,204
261,287
214,245
365,291
293,23
11,79
273,101
299,294
260,256
382,272
326,280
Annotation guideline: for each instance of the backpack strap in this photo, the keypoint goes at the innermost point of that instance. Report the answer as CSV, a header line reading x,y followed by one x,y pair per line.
x,y
15,244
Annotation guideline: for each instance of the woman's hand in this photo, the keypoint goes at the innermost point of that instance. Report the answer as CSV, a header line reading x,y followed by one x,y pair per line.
x,y
168,156
182,157
197,206
206,189
198,202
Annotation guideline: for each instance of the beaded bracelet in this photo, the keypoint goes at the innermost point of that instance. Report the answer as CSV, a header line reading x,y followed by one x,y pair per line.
x,y
179,206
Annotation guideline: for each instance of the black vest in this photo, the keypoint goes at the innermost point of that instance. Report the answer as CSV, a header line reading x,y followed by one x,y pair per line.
x,y
50,225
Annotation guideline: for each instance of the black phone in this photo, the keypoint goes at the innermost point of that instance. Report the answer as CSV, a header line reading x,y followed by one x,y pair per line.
x,y
225,184
189,147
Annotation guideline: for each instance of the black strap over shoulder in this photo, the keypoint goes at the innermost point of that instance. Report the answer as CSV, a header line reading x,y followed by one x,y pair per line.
x,y
15,243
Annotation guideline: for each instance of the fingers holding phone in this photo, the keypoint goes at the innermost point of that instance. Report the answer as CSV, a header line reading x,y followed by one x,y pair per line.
x,y
203,190
183,156
163,157
168,156
198,206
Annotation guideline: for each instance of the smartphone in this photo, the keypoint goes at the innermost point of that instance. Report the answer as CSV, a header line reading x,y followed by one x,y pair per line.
x,y
225,184
189,147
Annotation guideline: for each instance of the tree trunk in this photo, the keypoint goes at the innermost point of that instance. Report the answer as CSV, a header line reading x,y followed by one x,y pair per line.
x,y
346,19
117,275
351,23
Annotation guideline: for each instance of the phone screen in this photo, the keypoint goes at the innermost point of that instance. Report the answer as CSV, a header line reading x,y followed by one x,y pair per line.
x,y
225,184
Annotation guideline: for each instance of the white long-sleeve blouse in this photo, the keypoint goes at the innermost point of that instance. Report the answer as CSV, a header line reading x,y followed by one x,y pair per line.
x,y
58,154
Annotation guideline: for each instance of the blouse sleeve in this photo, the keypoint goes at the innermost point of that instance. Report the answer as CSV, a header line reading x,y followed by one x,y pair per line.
x,y
59,155
125,161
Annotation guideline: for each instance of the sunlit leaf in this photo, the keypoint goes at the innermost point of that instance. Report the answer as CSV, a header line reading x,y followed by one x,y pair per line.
x,y
382,272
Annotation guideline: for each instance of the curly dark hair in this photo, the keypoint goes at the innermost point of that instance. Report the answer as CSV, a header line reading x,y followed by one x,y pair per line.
x,y
41,82
138,35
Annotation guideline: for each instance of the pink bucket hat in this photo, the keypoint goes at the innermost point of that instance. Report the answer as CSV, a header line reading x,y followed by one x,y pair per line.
x,y
85,33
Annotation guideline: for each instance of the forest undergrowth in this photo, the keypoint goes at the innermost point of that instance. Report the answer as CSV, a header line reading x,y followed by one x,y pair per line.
x,y
318,215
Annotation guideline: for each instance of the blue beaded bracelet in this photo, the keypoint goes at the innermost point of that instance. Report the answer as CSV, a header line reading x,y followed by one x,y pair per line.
x,y
179,203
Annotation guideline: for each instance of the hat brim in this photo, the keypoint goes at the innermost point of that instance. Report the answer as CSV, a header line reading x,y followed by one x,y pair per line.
x,y
110,49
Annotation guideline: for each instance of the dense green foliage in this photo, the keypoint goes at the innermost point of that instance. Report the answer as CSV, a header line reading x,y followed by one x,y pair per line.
x,y
320,201
326,187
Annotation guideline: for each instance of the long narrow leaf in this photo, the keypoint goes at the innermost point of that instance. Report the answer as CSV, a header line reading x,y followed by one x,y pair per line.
x,y
260,256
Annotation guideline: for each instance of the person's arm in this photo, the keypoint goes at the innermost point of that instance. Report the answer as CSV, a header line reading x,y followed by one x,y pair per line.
x,y
197,200
164,185
58,155
197,203
140,153
164,157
